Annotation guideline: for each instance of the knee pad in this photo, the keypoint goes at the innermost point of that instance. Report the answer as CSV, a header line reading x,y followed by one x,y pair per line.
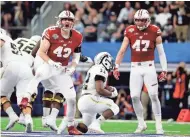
x,y
58,98
4,100
48,96
115,109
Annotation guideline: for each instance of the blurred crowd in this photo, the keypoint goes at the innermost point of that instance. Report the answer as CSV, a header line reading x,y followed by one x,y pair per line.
x,y
106,21
15,15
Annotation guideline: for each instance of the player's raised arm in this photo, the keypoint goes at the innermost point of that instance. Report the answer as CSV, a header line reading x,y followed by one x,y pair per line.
x,y
120,56
162,57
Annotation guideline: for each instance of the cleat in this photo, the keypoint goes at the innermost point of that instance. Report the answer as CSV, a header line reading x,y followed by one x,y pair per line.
x,y
12,121
159,129
24,102
22,120
73,131
94,128
29,124
44,122
140,129
51,123
62,126
28,128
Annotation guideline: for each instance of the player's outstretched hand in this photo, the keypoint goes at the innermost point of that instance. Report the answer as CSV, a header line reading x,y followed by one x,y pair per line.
x,y
114,93
163,76
116,73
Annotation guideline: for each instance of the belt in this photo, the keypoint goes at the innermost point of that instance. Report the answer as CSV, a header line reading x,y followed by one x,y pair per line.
x,y
147,63
141,64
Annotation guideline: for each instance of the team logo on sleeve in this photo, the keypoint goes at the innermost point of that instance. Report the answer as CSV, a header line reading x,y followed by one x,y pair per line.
x,y
131,30
55,36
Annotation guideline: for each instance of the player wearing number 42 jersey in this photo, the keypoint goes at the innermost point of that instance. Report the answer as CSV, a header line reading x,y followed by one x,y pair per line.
x,y
143,38
58,44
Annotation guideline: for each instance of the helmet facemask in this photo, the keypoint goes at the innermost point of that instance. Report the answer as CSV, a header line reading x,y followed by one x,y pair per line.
x,y
65,20
106,60
142,19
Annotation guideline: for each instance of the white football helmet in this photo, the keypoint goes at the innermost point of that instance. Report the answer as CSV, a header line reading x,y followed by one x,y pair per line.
x,y
142,19
105,59
36,38
3,32
67,24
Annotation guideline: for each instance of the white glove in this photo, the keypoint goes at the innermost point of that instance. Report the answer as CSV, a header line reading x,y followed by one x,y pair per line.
x,y
70,71
114,93
57,65
89,60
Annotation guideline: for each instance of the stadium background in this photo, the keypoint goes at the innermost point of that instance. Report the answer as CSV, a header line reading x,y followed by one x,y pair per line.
x,y
102,25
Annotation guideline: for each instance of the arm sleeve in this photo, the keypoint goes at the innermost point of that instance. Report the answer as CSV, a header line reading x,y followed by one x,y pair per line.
x,y
76,57
162,57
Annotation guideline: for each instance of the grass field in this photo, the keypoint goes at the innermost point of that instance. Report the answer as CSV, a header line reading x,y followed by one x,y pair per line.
x,y
117,126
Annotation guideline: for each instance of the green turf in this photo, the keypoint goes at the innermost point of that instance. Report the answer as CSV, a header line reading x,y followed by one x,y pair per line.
x,y
118,126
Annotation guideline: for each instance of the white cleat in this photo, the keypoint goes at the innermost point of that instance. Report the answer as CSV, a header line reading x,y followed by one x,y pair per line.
x,y
160,131
44,122
29,124
13,119
22,120
62,126
94,128
140,129
51,122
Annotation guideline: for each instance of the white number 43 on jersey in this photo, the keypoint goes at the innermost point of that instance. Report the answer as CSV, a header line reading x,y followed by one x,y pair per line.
x,y
138,43
59,52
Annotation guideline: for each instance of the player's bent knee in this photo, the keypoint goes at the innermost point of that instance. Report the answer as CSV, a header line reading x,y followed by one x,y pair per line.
x,y
4,100
58,98
115,109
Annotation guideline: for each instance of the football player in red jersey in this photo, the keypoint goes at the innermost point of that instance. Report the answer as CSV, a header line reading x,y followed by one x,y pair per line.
x,y
58,44
143,38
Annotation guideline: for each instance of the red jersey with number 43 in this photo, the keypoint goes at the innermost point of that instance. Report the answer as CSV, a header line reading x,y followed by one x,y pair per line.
x,y
60,48
142,43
